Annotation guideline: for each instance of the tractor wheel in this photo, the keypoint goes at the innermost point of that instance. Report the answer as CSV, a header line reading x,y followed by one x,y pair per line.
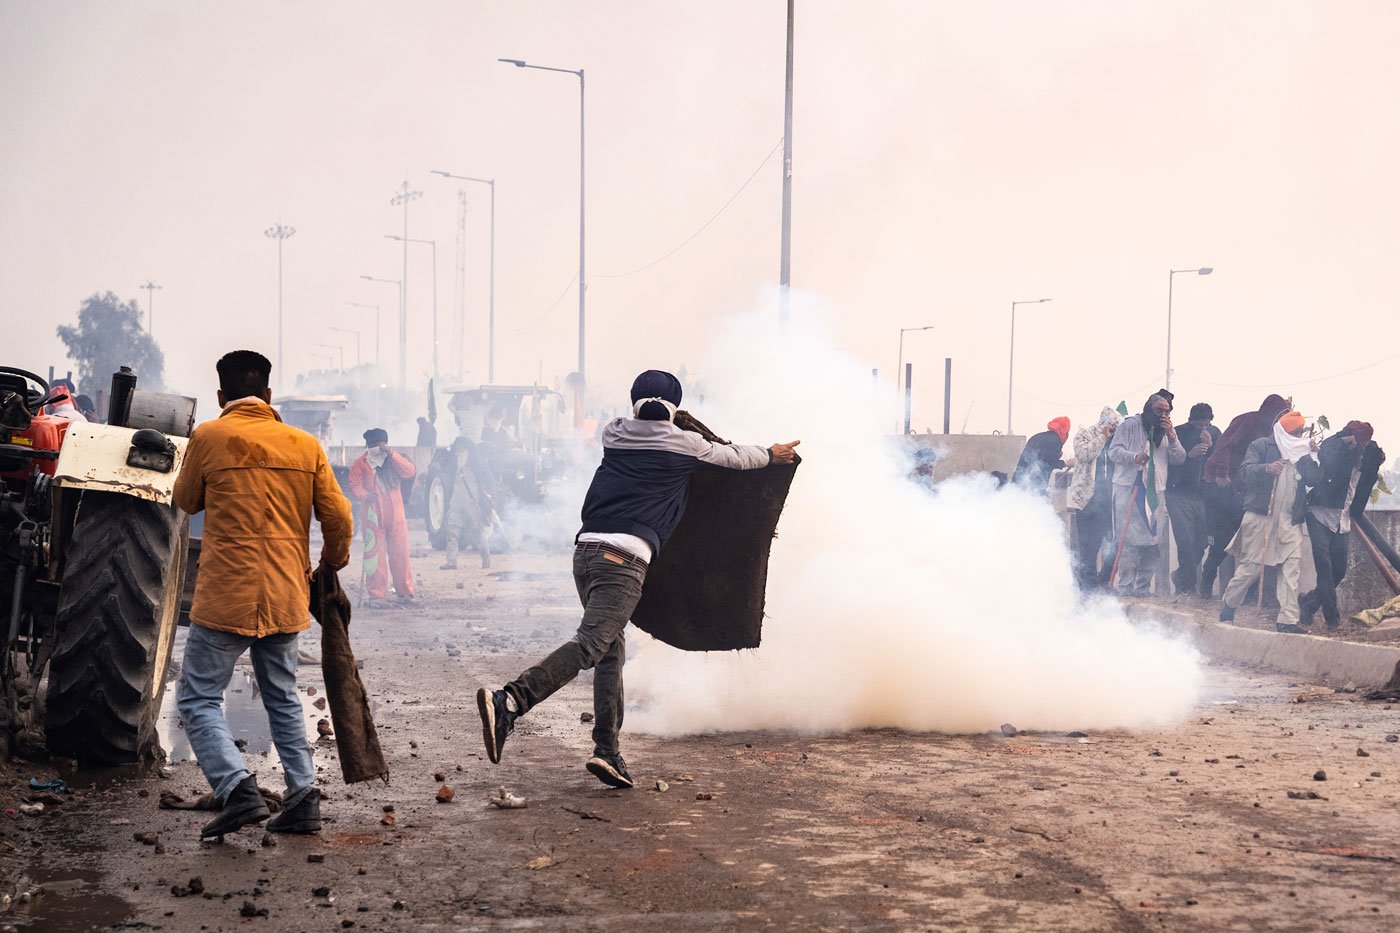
x,y
435,507
118,605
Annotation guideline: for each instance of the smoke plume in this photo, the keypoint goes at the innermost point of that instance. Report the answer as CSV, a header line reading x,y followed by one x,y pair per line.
x,y
890,606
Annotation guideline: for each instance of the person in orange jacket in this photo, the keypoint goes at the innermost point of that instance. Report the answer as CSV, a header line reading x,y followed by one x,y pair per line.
x,y
376,483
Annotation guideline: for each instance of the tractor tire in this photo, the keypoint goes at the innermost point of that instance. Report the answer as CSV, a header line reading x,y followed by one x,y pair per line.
x,y
435,501
118,605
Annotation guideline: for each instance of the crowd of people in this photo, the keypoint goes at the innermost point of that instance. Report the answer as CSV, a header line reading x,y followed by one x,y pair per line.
x,y
1240,503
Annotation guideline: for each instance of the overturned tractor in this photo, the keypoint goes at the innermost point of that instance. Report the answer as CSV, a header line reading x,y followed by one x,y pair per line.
x,y
92,559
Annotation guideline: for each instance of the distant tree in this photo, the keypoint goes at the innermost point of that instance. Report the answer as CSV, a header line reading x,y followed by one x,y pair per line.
x,y
108,336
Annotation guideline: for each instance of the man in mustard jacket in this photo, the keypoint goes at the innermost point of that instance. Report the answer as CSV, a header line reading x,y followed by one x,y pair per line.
x,y
258,482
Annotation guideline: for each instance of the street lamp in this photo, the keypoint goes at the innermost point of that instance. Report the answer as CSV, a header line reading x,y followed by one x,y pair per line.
x,y
279,233
339,349
375,309
899,371
433,244
1203,270
1011,361
370,278
151,288
491,306
404,197
356,333
582,283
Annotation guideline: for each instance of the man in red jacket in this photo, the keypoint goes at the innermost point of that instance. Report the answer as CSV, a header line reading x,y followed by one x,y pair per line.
x,y
376,484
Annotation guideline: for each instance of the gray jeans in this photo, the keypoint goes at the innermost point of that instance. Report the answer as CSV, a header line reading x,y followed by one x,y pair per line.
x,y
609,588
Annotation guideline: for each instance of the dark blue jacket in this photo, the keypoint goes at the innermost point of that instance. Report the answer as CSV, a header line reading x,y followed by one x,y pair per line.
x,y
642,484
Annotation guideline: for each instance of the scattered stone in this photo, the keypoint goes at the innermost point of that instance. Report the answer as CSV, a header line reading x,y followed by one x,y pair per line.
x,y
543,861
323,727
1375,774
1155,753
1078,735
1319,775
977,840
1349,688
347,923
413,743
1392,738
1008,730
388,808
439,776
397,905
445,793
505,800
269,841
143,793
662,786
1173,772
311,691
31,809
704,795
1362,753
146,839
461,586
319,703
454,652
196,885
240,744
362,871
167,772
1305,795
388,820
159,849
585,717
249,909
315,858
322,891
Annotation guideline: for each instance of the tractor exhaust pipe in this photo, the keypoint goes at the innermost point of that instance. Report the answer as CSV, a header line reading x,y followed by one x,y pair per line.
x,y
123,386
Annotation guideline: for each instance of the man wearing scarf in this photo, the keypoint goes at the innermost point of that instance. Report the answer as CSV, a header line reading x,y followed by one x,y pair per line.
x,y
1273,479
1341,484
1224,508
1185,499
1144,449
1041,455
633,504
376,483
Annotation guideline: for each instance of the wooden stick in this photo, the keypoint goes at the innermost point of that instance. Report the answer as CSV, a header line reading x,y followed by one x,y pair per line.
x,y
1122,539
1381,565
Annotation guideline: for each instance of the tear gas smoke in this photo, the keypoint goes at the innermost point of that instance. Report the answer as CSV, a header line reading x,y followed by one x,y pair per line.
x,y
890,606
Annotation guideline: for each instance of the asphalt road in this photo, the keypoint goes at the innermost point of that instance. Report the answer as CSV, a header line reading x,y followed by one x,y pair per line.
x,y
1190,827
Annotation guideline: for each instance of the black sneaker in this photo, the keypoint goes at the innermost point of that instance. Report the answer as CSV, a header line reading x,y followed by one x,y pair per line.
x,y
244,806
497,721
301,814
1227,612
1308,605
611,770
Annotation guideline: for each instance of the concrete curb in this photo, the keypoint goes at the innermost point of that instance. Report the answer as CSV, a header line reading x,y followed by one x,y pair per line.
x,y
1324,660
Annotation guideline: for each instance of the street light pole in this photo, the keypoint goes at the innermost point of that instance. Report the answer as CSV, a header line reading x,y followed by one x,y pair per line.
x,y
1203,270
491,305
785,251
404,197
1011,357
279,233
356,333
151,288
582,279
899,371
370,278
433,244
356,304
338,348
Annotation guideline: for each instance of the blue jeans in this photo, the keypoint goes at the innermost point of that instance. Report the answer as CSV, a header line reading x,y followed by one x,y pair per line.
x,y
208,668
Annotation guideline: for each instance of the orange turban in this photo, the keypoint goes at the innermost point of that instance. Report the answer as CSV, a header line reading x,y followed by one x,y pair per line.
x,y
1292,421
1060,426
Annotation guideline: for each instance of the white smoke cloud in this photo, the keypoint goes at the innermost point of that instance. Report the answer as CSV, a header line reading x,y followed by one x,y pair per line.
x,y
888,606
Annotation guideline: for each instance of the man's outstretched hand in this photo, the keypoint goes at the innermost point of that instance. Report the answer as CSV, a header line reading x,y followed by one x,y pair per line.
x,y
784,453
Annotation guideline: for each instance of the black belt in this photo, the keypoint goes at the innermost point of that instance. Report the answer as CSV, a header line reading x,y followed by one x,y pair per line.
x,y
614,550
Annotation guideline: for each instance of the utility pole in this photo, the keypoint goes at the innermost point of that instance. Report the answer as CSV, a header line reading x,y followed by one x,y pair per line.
x,y
459,286
151,288
491,305
404,196
785,259
279,233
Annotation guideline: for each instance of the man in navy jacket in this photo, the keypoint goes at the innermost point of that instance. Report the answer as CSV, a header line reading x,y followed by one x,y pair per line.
x,y
636,500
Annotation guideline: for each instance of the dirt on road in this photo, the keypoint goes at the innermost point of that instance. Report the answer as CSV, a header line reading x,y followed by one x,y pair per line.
x,y
1273,806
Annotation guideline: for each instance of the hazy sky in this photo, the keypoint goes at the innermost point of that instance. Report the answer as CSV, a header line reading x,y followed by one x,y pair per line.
x,y
950,157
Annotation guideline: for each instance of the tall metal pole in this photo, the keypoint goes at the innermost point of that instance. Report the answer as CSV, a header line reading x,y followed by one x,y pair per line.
x,y
1011,369
404,197
582,284
491,307
1170,277
348,330
433,243
279,233
785,257
377,342
151,287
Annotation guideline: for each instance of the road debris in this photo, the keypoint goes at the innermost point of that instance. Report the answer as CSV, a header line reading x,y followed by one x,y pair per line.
x,y
1319,775
1305,795
704,795
586,815
505,800
662,786
585,717
1008,730
445,793
323,728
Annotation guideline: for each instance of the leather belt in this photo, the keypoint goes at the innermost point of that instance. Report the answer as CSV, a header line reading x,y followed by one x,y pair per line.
x,y
627,557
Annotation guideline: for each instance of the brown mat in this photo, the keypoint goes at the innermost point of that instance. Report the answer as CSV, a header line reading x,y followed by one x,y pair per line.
x,y
356,741
705,591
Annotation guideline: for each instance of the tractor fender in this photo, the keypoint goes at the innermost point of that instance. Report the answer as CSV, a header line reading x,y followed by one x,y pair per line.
x,y
94,456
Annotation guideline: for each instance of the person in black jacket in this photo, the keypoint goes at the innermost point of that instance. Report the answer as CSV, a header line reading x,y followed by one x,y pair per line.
x,y
1041,455
636,500
1349,464
1186,503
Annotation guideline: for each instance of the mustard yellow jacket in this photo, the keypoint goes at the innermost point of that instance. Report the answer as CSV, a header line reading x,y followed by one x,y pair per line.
x,y
259,482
